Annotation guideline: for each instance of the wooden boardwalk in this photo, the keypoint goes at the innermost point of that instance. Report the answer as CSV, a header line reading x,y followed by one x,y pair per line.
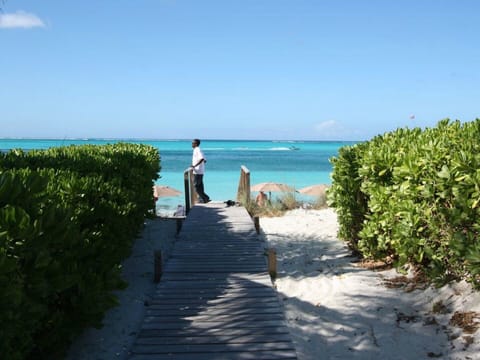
x,y
215,299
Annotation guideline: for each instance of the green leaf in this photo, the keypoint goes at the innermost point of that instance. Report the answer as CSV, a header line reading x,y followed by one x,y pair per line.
x,y
444,173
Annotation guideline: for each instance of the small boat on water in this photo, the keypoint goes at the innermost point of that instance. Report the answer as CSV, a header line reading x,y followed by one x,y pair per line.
x,y
294,148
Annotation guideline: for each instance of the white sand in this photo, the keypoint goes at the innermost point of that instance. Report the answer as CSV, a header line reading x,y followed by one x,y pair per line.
x,y
334,309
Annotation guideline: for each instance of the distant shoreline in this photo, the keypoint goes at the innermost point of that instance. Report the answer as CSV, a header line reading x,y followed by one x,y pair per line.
x,y
173,140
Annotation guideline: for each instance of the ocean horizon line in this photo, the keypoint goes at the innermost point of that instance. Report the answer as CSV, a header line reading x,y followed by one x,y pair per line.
x,y
171,140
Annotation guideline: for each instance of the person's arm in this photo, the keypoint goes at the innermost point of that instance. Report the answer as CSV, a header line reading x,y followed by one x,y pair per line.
x,y
199,154
198,163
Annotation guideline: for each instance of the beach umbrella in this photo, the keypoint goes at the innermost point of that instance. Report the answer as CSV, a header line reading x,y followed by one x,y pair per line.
x,y
164,191
271,186
314,190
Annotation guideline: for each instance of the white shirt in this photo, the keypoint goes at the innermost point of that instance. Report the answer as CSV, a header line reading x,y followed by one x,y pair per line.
x,y
197,156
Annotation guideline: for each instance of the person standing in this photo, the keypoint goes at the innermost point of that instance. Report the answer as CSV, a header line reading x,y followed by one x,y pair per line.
x,y
198,165
261,199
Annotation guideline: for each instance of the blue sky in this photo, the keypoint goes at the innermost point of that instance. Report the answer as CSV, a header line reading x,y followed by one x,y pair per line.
x,y
236,69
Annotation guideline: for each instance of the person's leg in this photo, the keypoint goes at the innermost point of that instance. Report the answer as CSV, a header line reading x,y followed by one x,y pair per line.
x,y
204,196
207,198
198,183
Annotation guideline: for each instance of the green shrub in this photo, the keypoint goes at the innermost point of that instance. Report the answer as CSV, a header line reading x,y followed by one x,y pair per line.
x,y
63,235
345,194
414,195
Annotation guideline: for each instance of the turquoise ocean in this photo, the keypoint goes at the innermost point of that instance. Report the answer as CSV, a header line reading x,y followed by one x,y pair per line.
x,y
295,163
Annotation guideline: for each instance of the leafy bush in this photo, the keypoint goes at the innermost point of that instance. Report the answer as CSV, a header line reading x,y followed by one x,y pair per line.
x,y
414,195
345,193
63,234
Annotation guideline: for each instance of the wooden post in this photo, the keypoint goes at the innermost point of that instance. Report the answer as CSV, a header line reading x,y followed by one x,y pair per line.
x,y
256,221
190,193
186,182
243,192
272,263
157,266
193,192
179,225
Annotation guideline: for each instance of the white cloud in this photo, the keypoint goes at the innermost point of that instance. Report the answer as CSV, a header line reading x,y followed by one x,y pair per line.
x,y
333,130
336,130
329,125
20,19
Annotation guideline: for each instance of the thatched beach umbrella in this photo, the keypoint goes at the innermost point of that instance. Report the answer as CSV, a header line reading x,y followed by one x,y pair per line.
x,y
271,186
164,191
314,190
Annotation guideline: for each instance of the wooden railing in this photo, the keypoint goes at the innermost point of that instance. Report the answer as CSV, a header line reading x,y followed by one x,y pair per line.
x,y
190,194
243,193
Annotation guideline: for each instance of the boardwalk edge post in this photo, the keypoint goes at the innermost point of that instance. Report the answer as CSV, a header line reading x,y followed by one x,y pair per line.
x,y
157,266
179,225
272,263
256,221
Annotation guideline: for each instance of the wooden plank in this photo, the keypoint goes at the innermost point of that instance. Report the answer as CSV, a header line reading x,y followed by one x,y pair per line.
x,y
208,239
185,267
212,348
158,311
202,261
218,314
218,269
200,304
215,306
270,355
261,277
173,285
213,289
214,292
210,325
215,339
215,332
217,249
260,264
210,301
166,318
193,250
